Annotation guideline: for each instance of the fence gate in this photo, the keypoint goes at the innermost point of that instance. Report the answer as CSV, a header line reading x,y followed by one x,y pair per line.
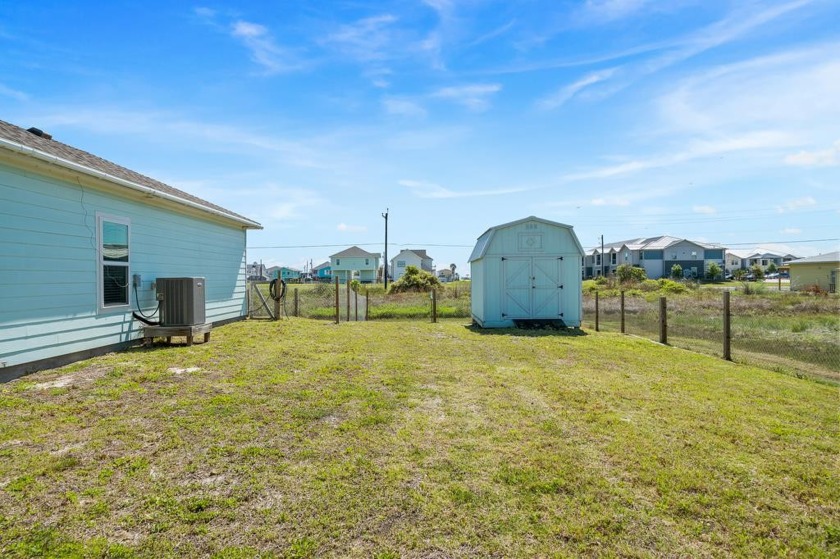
x,y
352,306
260,305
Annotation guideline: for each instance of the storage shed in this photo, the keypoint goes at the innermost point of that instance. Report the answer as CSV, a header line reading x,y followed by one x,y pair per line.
x,y
527,271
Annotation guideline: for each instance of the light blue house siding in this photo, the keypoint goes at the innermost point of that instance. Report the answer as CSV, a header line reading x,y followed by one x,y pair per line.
x,y
51,302
526,270
355,263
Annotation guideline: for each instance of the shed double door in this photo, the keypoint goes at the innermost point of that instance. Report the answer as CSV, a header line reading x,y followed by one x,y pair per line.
x,y
531,287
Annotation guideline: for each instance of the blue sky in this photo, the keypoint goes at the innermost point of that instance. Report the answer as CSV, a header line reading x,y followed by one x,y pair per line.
x,y
716,121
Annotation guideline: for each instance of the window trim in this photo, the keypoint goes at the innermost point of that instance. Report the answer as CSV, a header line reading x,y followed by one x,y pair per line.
x,y
101,218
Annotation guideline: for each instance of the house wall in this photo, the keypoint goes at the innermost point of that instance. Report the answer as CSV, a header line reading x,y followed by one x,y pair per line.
x,y
49,279
343,270
805,275
410,259
487,272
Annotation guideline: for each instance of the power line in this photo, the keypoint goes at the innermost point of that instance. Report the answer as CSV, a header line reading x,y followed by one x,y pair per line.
x,y
782,242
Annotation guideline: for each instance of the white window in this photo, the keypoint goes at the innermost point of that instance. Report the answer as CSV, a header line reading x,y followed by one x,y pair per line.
x,y
400,263
114,261
338,261
367,261
613,258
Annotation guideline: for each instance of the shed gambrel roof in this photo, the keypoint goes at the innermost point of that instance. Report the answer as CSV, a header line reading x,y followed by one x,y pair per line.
x,y
16,139
354,252
485,238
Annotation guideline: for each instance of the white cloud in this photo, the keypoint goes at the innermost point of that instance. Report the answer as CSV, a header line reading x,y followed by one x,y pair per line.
x,y
366,40
792,92
6,91
820,158
403,107
343,227
612,9
564,94
474,97
791,231
793,205
423,189
610,202
294,205
264,51
204,12
706,210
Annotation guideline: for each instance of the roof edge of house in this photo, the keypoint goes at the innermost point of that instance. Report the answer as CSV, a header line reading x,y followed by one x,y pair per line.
x,y
61,162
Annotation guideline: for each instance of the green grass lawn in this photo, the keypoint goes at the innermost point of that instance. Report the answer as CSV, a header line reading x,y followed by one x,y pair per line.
x,y
303,438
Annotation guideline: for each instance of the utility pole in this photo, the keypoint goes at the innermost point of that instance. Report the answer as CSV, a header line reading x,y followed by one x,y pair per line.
x,y
385,266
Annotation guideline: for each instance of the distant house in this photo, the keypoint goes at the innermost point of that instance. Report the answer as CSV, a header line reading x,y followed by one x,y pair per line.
x,y
746,259
322,272
657,255
83,242
820,271
284,273
410,257
355,263
445,274
256,272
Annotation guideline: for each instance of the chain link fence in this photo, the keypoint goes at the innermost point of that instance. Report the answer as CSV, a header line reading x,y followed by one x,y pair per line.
x,y
789,332
360,302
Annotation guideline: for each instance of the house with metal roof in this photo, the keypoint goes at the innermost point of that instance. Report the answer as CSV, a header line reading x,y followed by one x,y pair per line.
x,y
746,259
355,263
657,255
82,243
819,271
410,257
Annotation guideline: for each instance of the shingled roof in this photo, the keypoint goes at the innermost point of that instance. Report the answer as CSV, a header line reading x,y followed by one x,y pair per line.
x,y
40,143
354,252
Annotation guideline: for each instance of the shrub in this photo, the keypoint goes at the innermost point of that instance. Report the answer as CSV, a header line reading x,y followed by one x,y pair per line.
x,y
671,286
757,271
714,271
650,285
630,274
676,271
414,280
